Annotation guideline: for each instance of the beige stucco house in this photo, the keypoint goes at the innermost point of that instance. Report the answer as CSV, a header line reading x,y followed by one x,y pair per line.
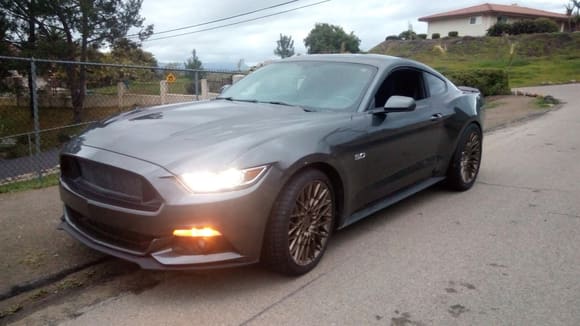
x,y
476,20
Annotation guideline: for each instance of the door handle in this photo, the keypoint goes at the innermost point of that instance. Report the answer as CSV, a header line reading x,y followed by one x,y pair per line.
x,y
436,117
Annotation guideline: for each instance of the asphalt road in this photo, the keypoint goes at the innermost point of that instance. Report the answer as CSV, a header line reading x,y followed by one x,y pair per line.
x,y
507,252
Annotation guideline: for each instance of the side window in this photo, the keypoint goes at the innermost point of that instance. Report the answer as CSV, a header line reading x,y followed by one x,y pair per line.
x,y
402,82
436,85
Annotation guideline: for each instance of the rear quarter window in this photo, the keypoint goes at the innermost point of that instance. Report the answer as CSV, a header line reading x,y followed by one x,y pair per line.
x,y
436,85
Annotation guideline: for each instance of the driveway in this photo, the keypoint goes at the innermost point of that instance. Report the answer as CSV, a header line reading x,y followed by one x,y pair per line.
x,y
506,252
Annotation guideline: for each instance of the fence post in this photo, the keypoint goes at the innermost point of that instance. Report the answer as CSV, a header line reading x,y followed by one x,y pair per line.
x,y
197,85
120,93
163,91
34,97
204,90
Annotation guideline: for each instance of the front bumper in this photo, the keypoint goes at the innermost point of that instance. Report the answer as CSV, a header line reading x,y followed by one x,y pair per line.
x,y
240,216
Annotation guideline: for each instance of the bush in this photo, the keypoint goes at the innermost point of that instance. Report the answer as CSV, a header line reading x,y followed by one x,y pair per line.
x,y
453,34
499,29
488,81
527,26
545,25
392,38
435,36
422,36
524,27
408,35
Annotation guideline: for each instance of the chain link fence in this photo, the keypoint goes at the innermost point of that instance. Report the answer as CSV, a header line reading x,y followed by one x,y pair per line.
x,y
43,105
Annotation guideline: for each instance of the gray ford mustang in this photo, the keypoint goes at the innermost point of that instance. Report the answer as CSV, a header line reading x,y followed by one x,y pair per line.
x,y
268,171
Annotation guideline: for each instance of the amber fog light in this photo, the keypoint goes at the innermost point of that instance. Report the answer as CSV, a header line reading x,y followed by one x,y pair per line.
x,y
205,232
200,241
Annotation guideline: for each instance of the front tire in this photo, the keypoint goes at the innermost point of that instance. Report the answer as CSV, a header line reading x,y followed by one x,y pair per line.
x,y
300,224
466,160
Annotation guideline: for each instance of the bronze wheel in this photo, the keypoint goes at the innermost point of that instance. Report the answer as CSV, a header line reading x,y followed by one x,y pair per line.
x,y
300,224
470,157
310,223
466,161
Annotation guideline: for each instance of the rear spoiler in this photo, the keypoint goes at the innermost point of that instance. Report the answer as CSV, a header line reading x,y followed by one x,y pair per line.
x,y
466,89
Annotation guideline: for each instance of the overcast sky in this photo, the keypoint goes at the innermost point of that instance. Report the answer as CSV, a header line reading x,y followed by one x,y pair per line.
x,y
370,20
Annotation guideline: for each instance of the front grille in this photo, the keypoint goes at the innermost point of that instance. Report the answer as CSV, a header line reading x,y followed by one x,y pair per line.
x,y
109,184
121,238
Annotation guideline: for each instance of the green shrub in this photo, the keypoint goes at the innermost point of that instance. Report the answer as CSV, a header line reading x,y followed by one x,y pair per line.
x,y
499,29
526,26
422,36
545,25
392,38
435,36
453,34
488,81
408,35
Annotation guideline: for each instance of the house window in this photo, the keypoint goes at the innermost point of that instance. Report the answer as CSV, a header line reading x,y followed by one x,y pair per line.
x,y
475,20
502,19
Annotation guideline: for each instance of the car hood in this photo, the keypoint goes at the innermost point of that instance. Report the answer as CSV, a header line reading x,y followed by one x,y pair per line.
x,y
206,135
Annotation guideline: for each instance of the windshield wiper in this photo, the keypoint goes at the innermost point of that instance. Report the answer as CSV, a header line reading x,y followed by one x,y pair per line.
x,y
287,104
229,98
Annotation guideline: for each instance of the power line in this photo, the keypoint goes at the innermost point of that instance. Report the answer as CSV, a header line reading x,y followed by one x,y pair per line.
x,y
219,20
236,23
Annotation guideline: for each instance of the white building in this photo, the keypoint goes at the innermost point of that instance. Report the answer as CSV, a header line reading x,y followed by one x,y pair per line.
x,y
476,20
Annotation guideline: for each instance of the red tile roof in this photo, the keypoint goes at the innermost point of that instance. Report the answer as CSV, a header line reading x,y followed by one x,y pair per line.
x,y
489,8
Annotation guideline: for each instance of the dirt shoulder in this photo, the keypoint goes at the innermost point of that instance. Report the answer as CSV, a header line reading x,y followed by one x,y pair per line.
x,y
35,254
32,248
502,111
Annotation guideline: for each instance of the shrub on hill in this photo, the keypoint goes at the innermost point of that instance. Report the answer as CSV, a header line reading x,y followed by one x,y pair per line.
x,y
526,26
488,81
499,29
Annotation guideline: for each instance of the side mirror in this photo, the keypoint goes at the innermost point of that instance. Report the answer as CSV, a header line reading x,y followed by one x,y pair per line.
x,y
224,88
400,104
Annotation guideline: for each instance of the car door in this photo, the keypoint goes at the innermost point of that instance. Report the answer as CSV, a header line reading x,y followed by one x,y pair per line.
x,y
400,147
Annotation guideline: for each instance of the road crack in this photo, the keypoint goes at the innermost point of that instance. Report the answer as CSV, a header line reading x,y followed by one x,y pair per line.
x,y
533,189
287,296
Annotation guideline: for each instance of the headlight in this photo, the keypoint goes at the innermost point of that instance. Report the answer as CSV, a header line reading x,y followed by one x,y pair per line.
x,y
205,181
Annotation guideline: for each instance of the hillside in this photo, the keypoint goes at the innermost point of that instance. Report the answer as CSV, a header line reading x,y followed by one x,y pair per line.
x,y
531,59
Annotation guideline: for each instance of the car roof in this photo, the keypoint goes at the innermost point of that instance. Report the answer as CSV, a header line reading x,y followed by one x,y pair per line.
x,y
377,60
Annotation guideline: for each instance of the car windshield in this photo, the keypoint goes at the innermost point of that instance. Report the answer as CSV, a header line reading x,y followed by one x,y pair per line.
x,y
312,85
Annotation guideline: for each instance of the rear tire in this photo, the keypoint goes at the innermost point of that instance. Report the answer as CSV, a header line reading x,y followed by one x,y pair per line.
x,y
300,224
464,166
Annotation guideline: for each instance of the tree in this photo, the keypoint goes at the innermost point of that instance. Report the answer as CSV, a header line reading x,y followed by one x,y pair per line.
x,y
241,64
284,46
127,52
326,38
5,28
84,26
573,13
193,63
408,35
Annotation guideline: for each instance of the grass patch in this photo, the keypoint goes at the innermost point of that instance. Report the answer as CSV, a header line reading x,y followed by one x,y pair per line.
x,y
492,105
11,310
532,59
545,102
17,120
146,87
47,181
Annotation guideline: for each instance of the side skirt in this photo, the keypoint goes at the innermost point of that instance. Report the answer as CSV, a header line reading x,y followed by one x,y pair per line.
x,y
390,200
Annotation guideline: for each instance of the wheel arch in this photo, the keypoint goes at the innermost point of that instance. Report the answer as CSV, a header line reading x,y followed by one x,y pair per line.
x,y
321,163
